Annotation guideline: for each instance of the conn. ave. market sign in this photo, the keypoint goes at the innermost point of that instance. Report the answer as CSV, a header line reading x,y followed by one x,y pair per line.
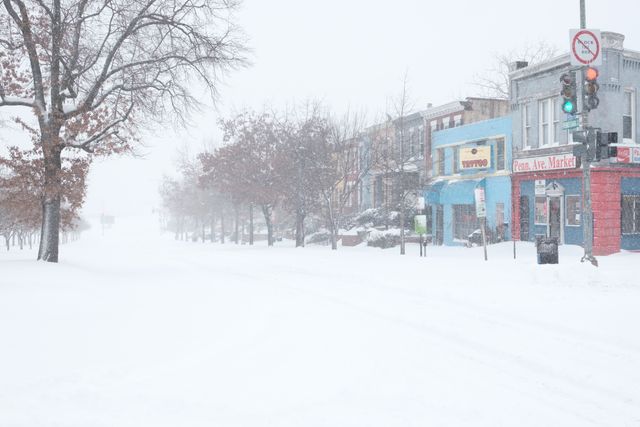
x,y
545,163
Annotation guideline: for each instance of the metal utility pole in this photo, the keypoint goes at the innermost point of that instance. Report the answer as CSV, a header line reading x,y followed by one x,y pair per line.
x,y
586,167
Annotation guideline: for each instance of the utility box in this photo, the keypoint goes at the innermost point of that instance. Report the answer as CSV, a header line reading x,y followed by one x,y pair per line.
x,y
547,250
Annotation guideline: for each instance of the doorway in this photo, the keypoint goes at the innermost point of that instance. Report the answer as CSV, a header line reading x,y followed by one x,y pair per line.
x,y
524,218
555,209
555,217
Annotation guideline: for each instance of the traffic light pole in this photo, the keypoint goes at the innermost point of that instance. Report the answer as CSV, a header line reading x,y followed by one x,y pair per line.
x,y
586,167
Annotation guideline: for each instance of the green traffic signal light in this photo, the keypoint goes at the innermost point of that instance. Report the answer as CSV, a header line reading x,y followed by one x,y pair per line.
x,y
568,107
569,92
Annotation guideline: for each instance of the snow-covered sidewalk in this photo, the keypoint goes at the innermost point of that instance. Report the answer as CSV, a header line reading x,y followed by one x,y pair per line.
x,y
133,329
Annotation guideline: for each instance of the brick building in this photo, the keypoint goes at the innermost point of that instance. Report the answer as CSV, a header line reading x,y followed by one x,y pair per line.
x,y
547,177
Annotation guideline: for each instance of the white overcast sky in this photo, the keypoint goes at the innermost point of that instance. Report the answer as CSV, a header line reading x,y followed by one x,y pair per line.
x,y
354,54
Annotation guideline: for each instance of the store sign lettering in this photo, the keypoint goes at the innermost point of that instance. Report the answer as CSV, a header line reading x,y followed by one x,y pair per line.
x,y
475,157
534,164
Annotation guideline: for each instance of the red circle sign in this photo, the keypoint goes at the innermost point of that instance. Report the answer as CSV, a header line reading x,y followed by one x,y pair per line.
x,y
585,47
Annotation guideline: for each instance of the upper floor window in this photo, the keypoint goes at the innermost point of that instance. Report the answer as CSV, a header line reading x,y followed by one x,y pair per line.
x,y
526,126
628,116
456,160
457,120
421,142
549,119
440,160
500,160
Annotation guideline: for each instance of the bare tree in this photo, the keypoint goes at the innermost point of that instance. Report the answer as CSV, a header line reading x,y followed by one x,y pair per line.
x,y
299,165
342,170
92,71
495,81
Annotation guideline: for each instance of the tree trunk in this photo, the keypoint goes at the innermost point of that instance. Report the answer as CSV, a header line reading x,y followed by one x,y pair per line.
x,y
222,227
251,223
266,211
300,228
50,232
213,228
402,249
237,224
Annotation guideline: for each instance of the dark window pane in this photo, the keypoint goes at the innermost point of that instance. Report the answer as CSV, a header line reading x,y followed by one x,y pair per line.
x,y
627,127
628,214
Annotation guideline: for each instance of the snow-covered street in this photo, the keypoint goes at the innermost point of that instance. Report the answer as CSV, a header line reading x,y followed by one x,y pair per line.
x,y
134,329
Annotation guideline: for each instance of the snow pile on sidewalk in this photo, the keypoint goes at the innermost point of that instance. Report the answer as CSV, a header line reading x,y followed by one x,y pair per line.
x,y
133,329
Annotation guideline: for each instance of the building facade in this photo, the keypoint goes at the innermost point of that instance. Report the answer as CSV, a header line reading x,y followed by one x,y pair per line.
x,y
405,144
477,155
547,178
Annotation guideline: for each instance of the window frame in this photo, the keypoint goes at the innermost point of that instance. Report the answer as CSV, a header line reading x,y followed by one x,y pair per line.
x,y
567,209
635,212
526,127
632,102
551,120
440,156
535,210
500,166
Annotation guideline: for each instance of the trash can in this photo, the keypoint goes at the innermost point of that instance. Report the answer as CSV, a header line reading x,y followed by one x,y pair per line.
x,y
547,250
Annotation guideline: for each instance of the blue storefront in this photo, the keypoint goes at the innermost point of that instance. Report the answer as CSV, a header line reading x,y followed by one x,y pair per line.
x,y
465,158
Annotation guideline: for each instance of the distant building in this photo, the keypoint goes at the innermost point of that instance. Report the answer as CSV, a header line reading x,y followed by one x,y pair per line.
x,y
413,157
547,177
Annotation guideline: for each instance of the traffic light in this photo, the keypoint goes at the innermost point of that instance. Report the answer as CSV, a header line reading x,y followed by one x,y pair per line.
x,y
591,100
604,141
569,93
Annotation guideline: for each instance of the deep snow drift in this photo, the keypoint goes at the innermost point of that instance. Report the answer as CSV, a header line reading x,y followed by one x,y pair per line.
x,y
133,329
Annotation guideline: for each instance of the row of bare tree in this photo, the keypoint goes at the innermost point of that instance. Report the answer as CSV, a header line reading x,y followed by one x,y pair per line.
x,y
300,166
305,165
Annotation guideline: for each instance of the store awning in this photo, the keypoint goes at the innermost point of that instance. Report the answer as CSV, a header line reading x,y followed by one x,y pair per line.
x,y
458,192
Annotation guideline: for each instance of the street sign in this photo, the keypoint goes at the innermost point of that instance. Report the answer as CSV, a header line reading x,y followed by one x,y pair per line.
x,y
481,205
420,224
571,124
585,47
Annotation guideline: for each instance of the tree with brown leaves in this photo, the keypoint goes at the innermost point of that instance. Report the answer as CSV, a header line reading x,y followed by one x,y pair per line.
x,y
92,71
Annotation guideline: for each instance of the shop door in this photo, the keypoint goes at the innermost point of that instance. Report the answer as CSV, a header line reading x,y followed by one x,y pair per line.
x,y
555,218
439,225
524,218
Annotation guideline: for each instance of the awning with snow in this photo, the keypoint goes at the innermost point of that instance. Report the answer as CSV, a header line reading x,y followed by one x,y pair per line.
x,y
453,192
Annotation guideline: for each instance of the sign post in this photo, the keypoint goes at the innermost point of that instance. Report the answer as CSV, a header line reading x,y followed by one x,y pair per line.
x,y
420,225
585,47
481,213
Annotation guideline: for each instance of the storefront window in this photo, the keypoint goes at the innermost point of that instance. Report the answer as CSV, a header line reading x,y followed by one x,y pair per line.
x,y
630,214
540,216
464,221
572,204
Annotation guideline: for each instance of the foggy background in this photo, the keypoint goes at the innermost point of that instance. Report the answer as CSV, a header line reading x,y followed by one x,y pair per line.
x,y
353,54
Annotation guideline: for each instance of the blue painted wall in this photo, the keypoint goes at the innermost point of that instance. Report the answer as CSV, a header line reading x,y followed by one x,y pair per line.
x,y
497,183
573,235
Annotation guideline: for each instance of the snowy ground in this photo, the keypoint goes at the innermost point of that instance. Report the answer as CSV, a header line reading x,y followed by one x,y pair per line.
x,y
132,329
